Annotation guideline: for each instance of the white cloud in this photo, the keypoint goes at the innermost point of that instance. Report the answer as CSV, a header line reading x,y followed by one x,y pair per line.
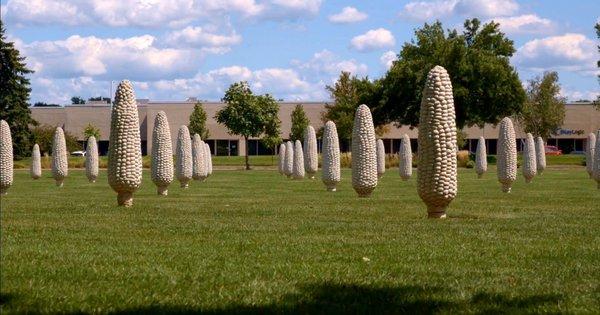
x,y
525,24
574,94
299,7
44,12
571,52
136,58
388,58
429,10
348,15
200,37
325,65
373,40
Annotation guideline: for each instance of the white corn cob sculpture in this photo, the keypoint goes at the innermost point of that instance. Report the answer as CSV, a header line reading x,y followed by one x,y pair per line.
x,y
590,153
289,159
596,174
6,158
529,159
380,158
364,152
298,167
281,159
506,155
405,158
481,158
540,154
60,162
311,156
124,148
331,157
36,162
209,165
200,167
436,175
183,166
162,154
91,159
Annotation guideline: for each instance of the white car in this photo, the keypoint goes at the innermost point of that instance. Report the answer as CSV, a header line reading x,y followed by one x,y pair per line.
x,y
78,153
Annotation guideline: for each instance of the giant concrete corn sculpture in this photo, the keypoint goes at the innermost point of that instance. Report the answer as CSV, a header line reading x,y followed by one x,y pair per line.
x,y
289,159
540,154
596,173
590,153
481,158
36,162
200,167
162,154
6,158
298,167
281,159
331,157
124,149
183,165
436,170
311,156
364,152
60,162
529,159
506,155
209,165
405,158
91,159
380,158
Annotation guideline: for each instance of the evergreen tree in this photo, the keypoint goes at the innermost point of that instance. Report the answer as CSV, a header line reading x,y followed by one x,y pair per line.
x,y
299,123
14,95
198,122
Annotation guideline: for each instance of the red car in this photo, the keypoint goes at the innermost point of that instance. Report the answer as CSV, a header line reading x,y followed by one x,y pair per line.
x,y
552,150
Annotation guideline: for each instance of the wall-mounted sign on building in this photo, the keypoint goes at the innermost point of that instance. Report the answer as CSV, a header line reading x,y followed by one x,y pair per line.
x,y
569,132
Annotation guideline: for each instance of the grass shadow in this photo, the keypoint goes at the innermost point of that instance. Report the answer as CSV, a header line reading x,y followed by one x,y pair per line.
x,y
355,299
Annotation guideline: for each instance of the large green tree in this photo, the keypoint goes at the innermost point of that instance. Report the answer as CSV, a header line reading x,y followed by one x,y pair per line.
x,y
544,109
246,114
14,95
347,93
299,123
198,122
486,87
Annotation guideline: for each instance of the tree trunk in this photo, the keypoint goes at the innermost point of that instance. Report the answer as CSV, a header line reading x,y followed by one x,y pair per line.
x,y
247,162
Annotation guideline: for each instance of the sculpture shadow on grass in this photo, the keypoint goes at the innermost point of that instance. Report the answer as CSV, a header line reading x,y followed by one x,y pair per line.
x,y
354,299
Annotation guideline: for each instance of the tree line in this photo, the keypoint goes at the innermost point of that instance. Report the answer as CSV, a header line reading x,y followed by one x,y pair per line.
x,y
486,88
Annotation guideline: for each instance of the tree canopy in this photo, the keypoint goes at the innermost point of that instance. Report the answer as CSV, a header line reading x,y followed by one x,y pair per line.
x,y
14,95
91,130
299,123
486,87
248,115
198,122
544,109
75,100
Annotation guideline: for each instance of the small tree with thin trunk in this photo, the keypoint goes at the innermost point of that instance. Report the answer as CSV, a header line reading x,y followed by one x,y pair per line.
x,y
544,109
198,122
246,114
299,123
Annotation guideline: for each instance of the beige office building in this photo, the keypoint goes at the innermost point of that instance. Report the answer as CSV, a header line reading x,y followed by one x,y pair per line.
x,y
581,119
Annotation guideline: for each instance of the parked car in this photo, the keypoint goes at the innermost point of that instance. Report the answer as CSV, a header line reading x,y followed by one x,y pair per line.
x,y
78,153
552,150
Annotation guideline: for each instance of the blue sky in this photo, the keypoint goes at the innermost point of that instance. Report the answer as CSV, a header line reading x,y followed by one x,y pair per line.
x,y
174,49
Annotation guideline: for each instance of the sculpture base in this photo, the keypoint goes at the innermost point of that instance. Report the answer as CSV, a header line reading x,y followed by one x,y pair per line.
x,y
363,192
331,189
162,190
184,185
92,180
437,212
480,175
3,191
125,199
59,183
506,188
528,180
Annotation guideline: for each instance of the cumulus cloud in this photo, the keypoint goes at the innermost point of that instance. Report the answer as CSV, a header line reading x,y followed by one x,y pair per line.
x,y
348,15
571,52
429,10
373,40
151,13
388,58
136,58
525,24
326,66
199,37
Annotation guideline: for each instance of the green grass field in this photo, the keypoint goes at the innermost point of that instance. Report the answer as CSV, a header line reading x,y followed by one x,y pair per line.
x,y
257,243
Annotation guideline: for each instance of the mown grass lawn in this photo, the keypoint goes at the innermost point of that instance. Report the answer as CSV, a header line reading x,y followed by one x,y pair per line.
x,y
256,242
